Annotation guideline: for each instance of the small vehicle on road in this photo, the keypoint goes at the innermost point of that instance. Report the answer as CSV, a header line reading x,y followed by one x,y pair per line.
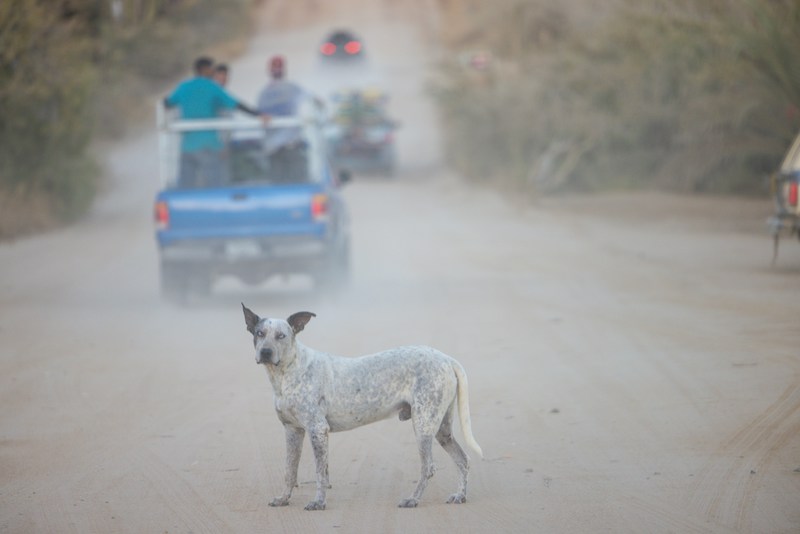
x,y
360,135
280,213
786,194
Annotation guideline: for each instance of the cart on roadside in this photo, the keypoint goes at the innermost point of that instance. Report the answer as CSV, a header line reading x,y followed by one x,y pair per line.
x,y
360,134
785,191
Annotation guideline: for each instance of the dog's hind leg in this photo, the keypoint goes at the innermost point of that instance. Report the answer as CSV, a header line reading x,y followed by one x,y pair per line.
x,y
294,446
449,444
425,444
428,409
425,422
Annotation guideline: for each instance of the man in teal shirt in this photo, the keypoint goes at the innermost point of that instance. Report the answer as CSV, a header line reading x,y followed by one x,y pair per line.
x,y
203,162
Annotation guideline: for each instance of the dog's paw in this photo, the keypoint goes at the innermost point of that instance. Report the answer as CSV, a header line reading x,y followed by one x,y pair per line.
x,y
279,501
457,498
408,503
315,505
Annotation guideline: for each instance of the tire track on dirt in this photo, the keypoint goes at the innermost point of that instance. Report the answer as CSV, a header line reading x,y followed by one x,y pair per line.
x,y
188,508
667,520
725,489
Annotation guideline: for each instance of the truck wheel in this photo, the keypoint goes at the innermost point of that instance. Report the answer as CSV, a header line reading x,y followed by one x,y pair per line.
x,y
388,162
200,283
174,282
337,273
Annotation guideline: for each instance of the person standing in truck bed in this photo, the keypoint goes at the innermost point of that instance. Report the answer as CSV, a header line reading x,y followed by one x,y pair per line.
x,y
285,147
203,161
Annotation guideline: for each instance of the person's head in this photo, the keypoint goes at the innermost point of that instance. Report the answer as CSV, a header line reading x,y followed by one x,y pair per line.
x,y
221,74
277,67
204,66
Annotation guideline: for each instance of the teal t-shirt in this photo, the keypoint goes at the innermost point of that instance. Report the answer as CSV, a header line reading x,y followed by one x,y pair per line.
x,y
201,98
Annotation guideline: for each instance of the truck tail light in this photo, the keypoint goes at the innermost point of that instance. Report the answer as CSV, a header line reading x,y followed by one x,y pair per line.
x,y
792,196
162,215
319,207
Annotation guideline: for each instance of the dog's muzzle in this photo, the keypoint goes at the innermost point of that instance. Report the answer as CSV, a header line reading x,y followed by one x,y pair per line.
x,y
265,356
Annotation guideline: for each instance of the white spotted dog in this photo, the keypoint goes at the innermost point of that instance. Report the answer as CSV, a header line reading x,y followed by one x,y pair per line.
x,y
319,393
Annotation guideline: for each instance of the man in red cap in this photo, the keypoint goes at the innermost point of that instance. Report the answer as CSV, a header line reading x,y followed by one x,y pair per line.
x,y
281,98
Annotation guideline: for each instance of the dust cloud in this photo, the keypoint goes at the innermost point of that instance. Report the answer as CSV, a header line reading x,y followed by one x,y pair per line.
x,y
632,361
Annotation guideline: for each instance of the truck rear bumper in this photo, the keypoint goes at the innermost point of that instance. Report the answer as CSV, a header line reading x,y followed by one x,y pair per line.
x,y
243,256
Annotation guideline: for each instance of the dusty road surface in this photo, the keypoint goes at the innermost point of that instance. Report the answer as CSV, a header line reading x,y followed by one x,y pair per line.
x,y
634,361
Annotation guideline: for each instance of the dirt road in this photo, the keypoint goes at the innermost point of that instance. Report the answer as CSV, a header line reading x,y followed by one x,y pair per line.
x,y
634,362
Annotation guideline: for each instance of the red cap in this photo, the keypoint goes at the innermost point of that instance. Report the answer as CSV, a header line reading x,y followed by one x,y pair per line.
x,y
276,65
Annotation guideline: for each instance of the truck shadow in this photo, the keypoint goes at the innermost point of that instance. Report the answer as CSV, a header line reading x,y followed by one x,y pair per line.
x,y
283,292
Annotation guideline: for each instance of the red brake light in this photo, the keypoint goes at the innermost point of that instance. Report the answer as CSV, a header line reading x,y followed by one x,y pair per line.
x,y
328,49
352,47
319,206
162,215
793,194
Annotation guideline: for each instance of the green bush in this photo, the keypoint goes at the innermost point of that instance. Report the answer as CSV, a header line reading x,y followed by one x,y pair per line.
x,y
71,70
44,126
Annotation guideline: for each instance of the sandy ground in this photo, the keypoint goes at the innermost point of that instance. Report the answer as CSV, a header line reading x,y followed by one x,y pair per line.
x,y
634,361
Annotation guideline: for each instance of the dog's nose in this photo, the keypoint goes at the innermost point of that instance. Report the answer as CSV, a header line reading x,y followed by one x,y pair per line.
x,y
266,354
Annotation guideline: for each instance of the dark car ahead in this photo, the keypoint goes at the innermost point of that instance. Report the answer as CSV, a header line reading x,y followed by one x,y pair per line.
x,y
342,45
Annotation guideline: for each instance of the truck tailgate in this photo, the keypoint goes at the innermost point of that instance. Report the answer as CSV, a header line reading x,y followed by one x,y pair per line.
x,y
241,211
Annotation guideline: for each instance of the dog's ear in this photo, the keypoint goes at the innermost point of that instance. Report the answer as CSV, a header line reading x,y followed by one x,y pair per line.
x,y
250,319
299,320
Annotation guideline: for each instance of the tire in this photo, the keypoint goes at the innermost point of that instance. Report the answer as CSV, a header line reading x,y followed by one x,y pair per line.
x,y
174,282
336,274
179,281
388,162
200,282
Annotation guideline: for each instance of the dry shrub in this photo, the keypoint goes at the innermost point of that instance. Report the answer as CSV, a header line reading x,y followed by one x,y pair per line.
x,y
70,71
693,95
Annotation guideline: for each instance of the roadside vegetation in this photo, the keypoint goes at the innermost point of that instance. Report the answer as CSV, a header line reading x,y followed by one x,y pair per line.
x,y
75,71
682,95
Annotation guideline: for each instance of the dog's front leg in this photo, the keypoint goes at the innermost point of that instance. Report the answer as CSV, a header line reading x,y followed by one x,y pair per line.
x,y
294,446
319,442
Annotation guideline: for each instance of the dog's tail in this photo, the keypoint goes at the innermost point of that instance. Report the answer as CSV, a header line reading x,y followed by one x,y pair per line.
x,y
463,408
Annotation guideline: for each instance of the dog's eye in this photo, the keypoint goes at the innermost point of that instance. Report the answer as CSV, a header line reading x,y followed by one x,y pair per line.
x,y
280,335
260,333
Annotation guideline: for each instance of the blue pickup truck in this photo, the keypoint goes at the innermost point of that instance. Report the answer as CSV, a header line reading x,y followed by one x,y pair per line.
x,y
279,212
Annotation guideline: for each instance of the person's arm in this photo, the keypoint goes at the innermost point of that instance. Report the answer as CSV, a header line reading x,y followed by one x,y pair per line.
x,y
301,93
247,109
230,102
265,118
172,100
